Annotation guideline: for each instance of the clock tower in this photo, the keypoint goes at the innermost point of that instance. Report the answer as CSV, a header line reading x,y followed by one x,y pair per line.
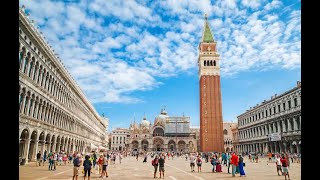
x,y
211,124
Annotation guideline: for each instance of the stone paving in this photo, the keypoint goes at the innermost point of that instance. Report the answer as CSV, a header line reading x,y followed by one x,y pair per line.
x,y
176,169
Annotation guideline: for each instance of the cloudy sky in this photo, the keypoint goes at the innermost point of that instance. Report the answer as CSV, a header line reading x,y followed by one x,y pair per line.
x,y
132,57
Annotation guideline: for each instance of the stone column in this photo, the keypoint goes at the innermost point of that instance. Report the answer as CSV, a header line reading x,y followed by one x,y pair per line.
x,y
26,67
22,61
43,143
295,126
73,147
289,125
35,103
27,105
22,105
34,72
26,150
29,113
283,126
39,111
291,147
278,125
299,121
36,150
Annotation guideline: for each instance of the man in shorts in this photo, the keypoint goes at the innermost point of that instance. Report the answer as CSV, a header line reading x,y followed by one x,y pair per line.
x,y
192,161
161,166
285,170
76,166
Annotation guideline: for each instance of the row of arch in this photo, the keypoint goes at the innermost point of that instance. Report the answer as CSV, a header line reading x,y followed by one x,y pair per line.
x,y
37,107
209,63
280,126
39,71
36,70
158,145
33,141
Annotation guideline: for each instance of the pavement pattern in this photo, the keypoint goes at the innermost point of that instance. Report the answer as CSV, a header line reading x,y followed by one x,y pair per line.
x,y
176,169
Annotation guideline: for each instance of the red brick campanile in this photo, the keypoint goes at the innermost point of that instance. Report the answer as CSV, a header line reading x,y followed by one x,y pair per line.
x,y
211,123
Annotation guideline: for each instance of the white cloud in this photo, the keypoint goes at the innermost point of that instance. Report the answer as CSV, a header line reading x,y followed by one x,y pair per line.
x,y
251,3
119,47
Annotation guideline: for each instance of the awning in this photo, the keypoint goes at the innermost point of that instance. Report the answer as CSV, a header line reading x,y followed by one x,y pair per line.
x,y
93,146
103,148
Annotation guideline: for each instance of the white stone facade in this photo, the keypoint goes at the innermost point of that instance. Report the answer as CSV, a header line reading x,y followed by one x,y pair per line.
x,y
281,114
119,139
227,135
54,114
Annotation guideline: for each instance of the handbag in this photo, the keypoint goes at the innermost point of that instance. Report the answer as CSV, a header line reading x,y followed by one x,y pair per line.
x,y
244,164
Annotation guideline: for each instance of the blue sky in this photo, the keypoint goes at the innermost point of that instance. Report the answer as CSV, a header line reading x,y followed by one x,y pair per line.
x,y
133,57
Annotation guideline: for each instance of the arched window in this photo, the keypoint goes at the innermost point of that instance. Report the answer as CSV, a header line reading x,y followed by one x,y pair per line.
x,y
214,63
225,132
204,63
211,63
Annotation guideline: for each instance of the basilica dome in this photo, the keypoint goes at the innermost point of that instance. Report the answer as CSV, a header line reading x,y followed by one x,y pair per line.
x,y
145,123
161,118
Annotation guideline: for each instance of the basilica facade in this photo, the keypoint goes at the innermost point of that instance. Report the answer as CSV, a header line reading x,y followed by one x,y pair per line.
x,y
54,114
167,133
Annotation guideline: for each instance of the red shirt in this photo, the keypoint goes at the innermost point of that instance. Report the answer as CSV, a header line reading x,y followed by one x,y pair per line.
x,y
234,160
100,160
284,162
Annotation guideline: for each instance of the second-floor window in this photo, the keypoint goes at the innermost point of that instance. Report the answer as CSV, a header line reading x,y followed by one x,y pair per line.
x,y
295,102
284,106
279,109
289,104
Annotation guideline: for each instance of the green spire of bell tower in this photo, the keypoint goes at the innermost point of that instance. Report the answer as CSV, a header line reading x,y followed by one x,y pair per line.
x,y
207,35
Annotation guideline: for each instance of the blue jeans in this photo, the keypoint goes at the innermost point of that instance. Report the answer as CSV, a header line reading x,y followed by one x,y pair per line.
x,y
234,167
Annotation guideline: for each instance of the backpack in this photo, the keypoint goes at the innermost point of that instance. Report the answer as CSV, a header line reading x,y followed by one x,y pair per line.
x,y
154,162
87,164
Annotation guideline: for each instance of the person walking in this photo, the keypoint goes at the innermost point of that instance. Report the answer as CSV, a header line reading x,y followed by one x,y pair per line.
x,y
192,161
54,160
94,159
104,167
234,163
228,162
70,157
199,163
44,157
145,158
64,159
100,164
38,159
278,165
161,166
285,170
120,157
87,167
155,163
241,165
213,162
60,159
50,158
76,166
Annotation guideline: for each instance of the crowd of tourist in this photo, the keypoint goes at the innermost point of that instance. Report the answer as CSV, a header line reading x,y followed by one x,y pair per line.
x,y
233,162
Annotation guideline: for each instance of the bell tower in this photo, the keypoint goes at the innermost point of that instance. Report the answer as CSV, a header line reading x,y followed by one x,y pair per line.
x,y
211,123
